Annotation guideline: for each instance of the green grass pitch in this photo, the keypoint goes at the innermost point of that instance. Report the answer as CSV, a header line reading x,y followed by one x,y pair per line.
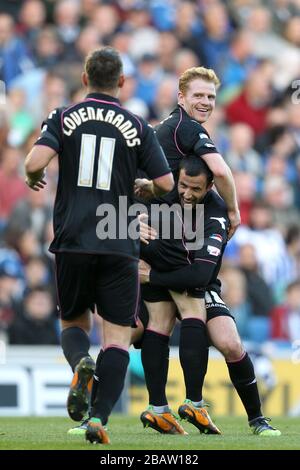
x,y
127,433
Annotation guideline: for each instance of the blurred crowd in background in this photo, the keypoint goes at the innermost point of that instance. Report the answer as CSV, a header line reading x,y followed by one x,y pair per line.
x,y
254,46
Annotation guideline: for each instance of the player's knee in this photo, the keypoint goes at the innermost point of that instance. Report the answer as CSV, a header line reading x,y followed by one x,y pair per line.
x,y
161,325
197,315
84,323
231,350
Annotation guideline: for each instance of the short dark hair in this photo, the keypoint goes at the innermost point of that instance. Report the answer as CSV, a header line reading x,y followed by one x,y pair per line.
x,y
195,166
103,68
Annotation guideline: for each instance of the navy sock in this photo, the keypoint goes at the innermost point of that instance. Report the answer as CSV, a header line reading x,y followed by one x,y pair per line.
x,y
75,344
193,354
111,372
155,359
242,376
96,378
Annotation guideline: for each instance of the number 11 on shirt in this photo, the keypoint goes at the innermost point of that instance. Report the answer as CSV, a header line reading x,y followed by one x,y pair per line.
x,y
87,158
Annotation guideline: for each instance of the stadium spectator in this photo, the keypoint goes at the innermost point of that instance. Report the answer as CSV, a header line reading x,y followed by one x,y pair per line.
x,y
278,193
88,39
36,322
12,187
238,62
14,56
216,35
266,42
88,9
82,277
241,156
252,105
67,16
11,288
149,76
165,100
246,185
268,242
20,121
32,213
27,245
187,30
144,37
292,241
53,93
32,18
168,48
283,11
235,296
259,294
36,273
292,29
48,48
286,317
105,20
184,59
128,96
121,42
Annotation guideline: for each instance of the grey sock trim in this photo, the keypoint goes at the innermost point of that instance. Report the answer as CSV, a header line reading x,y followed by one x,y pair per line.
x,y
161,409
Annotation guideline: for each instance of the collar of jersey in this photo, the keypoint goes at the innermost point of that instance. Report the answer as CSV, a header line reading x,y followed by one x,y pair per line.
x,y
103,97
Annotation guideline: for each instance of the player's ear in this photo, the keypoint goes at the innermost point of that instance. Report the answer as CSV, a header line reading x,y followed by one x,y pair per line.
x,y
121,81
84,79
209,187
180,97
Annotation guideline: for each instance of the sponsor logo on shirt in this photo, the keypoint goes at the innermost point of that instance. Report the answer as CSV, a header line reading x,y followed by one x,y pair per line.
x,y
213,251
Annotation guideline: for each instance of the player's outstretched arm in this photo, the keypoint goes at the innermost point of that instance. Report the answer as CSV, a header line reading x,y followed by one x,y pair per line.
x,y
148,189
35,164
163,184
144,188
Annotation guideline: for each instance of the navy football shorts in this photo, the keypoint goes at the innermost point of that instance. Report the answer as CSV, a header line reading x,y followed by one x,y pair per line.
x,y
215,305
109,282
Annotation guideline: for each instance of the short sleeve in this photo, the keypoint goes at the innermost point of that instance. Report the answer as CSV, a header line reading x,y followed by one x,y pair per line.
x,y
204,144
51,132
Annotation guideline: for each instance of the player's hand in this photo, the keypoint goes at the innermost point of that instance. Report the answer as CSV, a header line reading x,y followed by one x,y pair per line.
x,y
146,232
34,184
144,271
143,188
235,221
